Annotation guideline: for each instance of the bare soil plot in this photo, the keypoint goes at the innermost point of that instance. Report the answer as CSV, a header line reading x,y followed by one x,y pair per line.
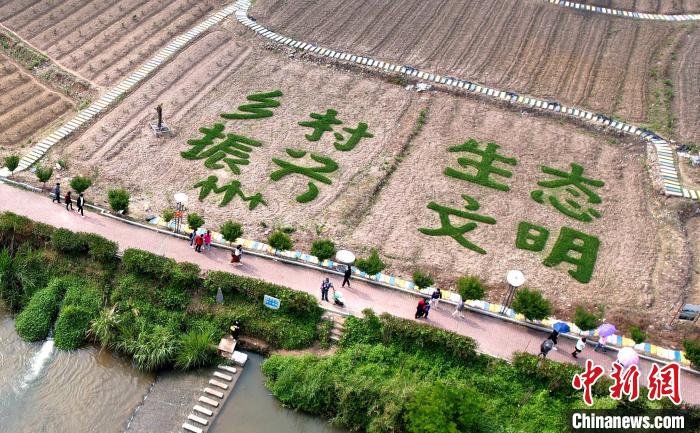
x,y
214,76
686,81
27,107
577,58
102,40
651,6
643,263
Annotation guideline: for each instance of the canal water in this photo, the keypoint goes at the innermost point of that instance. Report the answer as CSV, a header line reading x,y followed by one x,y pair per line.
x,y
43,389
252,409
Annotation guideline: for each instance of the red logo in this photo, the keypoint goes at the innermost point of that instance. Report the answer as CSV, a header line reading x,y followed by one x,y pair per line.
x,y
626,382
665,382
587,379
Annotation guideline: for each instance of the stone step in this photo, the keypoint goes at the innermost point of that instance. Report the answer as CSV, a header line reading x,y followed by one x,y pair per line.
x,y
197,419
336,332
223,376
202,410
209,401
214,392
335,338
191,428
226,368
218,384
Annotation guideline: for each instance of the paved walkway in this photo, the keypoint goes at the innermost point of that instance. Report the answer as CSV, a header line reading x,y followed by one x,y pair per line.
x,y
495,337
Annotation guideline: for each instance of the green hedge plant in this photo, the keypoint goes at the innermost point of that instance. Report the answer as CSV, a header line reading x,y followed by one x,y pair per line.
x,y
531,304
12,162
280,240
34,322
692,351
168,215
638,336
43,174
372,265
194,220
469,287
80,184
323,249
422,279
119,200
586,320
231,231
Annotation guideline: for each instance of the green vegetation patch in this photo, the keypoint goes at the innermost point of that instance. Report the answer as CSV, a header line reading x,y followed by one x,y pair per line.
x,y
35,321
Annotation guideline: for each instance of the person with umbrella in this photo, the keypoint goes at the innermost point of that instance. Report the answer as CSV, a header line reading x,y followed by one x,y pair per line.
x,y
604,331
558,328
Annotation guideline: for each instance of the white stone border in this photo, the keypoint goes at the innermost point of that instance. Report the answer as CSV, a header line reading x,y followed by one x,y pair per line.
x,y
625,14
668,173
125,86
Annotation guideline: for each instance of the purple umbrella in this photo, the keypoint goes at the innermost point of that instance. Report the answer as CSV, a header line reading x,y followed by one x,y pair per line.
x,y
606,330
627,356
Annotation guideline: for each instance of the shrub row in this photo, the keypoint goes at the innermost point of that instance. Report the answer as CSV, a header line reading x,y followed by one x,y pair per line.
x,y
183,275
34,322
97,247
16,230
81,305
292,302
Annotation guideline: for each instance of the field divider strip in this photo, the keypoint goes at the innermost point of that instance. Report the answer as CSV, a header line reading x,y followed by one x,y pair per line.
x,y
130,82
661,145
624,13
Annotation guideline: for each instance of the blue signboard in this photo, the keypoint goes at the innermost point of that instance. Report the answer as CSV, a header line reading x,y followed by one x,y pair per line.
x,y
270,302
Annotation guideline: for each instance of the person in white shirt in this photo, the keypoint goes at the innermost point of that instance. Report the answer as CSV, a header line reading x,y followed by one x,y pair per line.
x,y
580,345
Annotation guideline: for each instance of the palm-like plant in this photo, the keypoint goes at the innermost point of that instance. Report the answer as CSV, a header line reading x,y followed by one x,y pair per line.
x,y
195,349
154,348
103,329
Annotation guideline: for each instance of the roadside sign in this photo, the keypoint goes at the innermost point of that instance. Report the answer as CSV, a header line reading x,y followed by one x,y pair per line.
x,y
271,303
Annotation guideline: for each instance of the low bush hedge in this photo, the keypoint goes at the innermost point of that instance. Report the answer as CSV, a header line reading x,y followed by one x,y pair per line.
x,y
692,351
531,304
96,246
470,287
323,249
422,279
372,265
292,302
280,240
34,322
16,230
185,276
585,320
72,326
231,231
119,200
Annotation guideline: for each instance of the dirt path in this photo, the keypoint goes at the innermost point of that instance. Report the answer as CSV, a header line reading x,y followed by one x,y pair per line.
x,y
495,337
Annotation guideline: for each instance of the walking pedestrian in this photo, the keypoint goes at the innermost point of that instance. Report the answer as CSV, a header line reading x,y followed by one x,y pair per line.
x,y
198,241
435,297
600,344
580,345
554,336
207,240
547,346
81,202
459,309
69,201
193,234
420,309
326,285
236,254
346,276
426,310
56,193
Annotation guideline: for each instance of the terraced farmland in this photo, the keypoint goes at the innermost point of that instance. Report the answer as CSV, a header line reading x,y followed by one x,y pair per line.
x,y
651,6
26,107
101,40
584,59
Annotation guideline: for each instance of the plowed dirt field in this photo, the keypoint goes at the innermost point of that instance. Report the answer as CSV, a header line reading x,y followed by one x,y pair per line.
x,y
102,40
578,58
642,262
651,6
27,107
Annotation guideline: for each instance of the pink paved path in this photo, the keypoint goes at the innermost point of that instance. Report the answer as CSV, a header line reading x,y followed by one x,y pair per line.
x,y
495,337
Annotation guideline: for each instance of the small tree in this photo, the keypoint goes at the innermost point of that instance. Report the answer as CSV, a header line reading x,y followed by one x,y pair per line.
x,y
168,215
531,304
194,221
422,279
231,231
12,162
638,336
586,320
43,174
80,183
280,240
692,351
469,287
372,265
324,249
118,199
